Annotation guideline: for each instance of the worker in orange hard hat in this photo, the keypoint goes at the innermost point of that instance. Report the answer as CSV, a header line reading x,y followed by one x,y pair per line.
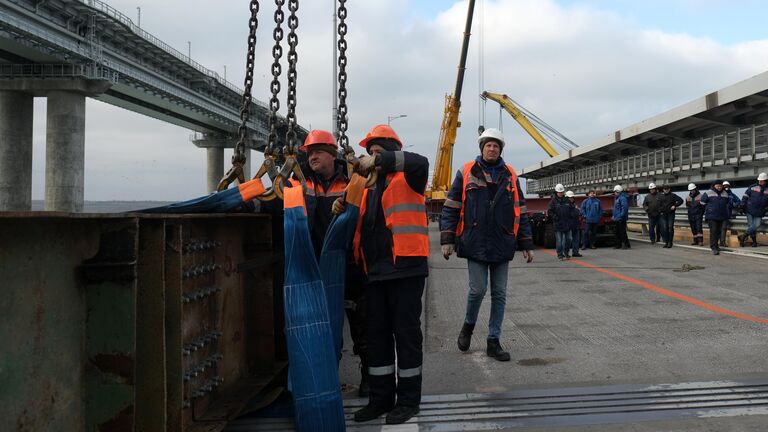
x,y
392,244
327,179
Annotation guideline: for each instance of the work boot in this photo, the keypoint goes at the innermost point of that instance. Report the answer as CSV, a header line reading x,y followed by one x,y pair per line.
x,y
496,351
465,336
742,239
754,240
695,242
401,414
715,252
370,412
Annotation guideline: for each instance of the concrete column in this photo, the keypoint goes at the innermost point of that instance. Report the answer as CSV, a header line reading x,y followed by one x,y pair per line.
x,y
16,112
215,166
65,152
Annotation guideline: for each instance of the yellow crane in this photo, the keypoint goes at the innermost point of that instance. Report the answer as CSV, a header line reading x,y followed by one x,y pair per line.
x,y
518,115
441,180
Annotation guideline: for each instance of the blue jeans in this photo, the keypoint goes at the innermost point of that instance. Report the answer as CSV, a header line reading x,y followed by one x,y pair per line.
x,y
478,284
667,226
653,225
562,242
753,223
575,240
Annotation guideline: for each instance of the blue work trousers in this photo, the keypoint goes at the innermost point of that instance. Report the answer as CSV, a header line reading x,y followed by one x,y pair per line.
x,y
575,241
478,284
562,242
590,235
753,223
653,225
667,226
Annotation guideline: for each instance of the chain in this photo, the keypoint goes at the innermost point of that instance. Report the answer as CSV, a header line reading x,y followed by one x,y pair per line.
x,y
341,118
245,109
293,40
277,70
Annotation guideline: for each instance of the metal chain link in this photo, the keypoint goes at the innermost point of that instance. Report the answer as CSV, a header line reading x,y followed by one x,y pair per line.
x,y
245,109
277,70
293,41
341,116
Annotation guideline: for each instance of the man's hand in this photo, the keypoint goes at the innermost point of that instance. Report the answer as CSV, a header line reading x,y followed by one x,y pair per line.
x,y
366,164
447,250
339,206
528,255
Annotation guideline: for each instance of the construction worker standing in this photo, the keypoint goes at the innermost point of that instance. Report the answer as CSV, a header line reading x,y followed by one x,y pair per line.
x,y
717,210
651,207
392,244
485,220
559,211
735,204
575,221
620,217
592,211
695,214
668,204
755,205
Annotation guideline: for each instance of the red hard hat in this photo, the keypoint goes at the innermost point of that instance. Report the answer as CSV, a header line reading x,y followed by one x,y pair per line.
x,y
380,131
318,136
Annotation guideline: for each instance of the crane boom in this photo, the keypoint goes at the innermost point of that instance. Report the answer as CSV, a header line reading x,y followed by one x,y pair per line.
x,y
441,181
516,114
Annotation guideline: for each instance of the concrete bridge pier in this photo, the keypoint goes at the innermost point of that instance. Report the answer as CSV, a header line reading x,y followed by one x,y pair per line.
x,y
216,165
16,113
65,152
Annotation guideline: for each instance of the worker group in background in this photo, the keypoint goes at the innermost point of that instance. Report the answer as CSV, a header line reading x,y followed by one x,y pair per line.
x,y
560,212
484,220
591,210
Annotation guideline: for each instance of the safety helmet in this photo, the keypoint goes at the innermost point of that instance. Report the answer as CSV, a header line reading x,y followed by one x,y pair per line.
x,y
569,194
381,131
491,133
762,176
319,137
559,188
618,188
652,186
726,183
691,186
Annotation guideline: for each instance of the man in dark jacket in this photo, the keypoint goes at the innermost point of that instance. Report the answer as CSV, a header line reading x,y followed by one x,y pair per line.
x,y
717,210
651,207
735,204
668,204
485,217
695,214
559,211
620,217
592,211
392,244
755,204
575,220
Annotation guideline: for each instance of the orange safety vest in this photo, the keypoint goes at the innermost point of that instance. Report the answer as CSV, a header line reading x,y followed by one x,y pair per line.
x,y
468,178
404,215
335,190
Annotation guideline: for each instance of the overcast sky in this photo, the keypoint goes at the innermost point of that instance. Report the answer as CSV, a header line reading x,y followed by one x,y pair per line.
x,y
586,67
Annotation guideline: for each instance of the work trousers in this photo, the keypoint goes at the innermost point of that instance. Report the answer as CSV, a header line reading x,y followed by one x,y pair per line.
x,y
478,285
575,240
356,311
394,325
590,235
715,229
654,227
667,226
621,233
726,226
697,226
753,223
562,242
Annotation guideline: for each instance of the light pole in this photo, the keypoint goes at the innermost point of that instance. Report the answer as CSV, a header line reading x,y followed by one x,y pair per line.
x,y
189,50
138,10
390,118
225,72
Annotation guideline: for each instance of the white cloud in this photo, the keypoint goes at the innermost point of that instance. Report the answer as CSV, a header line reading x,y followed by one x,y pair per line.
x,y
585,71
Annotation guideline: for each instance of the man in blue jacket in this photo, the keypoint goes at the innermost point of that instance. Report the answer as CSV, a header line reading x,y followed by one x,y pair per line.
x,y
559,211
485,218
620,216
755,205
591,210
717,210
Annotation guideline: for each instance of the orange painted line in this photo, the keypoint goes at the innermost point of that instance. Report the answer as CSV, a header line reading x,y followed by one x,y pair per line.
x,y
668,293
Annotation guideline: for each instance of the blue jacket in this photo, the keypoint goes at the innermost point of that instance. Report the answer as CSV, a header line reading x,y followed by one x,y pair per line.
x,y
718,205
755,200
489,215
559,211
592,210
621,207
735,202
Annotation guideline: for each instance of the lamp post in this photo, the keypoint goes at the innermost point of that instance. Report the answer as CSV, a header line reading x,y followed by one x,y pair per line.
x,y
225,72
138,10
390,118
189,50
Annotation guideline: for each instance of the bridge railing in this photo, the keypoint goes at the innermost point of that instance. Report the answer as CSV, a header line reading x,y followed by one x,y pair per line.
x,y
732,147
57,71
738,222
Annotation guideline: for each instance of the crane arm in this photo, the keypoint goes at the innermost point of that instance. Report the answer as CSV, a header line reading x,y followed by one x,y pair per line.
x,y
516,114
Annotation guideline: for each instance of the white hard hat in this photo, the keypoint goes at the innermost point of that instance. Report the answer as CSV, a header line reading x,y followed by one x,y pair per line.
x,y
559,188
491,133
618,188
569,194
691,186
762,176
652,186
726,183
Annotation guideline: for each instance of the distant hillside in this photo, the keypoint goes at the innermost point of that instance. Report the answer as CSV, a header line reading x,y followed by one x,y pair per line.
x,y
110,206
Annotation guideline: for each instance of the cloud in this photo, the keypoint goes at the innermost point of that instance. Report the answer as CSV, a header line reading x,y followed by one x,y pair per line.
x,y
584,70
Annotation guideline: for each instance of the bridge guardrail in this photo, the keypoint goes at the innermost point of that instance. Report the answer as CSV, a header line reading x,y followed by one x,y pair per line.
x,y
56,71
738,223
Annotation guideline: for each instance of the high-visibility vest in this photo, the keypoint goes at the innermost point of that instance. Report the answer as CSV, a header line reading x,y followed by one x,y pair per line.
x,y
470,179
404,215
335,190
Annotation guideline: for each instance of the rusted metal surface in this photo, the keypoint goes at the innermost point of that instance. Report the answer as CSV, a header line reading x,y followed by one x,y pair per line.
x,y
134,322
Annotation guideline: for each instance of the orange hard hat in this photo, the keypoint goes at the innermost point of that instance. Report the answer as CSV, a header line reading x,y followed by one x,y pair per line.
x,y
318,137
380,131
